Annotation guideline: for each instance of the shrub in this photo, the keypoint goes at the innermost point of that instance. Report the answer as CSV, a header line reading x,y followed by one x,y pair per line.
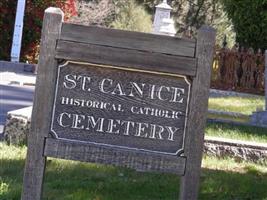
x,y
32,25
131,16
250,21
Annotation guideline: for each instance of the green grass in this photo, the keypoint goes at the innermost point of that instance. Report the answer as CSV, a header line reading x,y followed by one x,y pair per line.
x,y
244,105
247,133
221,179
226,179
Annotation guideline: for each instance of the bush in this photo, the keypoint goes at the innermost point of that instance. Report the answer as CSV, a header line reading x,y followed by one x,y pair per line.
x,y
32,25
94,12
250,21
131,16
7,19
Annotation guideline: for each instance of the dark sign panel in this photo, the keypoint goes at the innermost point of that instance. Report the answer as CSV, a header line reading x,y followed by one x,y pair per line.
x,y
121,108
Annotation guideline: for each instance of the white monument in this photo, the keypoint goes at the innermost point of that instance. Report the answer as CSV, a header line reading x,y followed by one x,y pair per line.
x,y
163,24
17,35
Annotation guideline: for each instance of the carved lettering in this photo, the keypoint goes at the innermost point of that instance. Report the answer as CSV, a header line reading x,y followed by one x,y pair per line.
x,y
125,109
129,89
116,127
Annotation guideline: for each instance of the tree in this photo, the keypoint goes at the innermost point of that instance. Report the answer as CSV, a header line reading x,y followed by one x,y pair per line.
x,y
119,14
7,19
187,13
34,12
98,12
131,16
223,26
192,14
250,21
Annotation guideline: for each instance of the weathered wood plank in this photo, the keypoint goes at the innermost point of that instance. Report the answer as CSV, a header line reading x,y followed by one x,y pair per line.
x,y
137,160
129,40
120,109
126,58
42,107
197,115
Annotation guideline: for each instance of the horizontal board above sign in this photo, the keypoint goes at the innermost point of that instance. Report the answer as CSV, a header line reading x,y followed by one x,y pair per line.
x,y
128,40
121,108
125,58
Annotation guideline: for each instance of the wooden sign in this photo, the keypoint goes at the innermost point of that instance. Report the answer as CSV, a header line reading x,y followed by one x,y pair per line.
x,y
120,108
117,97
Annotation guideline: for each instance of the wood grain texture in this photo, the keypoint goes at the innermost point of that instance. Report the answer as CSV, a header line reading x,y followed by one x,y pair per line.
x,y
137,160
42,107
129,40
197,115
120,108
126,58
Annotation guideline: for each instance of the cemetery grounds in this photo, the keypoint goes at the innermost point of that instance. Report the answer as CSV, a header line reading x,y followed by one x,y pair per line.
x,y
222,178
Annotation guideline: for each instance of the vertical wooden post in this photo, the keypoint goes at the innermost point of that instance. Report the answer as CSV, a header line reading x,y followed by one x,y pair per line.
x,y
197,113
42,108
265,75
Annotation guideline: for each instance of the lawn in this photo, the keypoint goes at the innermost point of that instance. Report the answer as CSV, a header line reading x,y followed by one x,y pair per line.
x,y
244,105
221,179
247,133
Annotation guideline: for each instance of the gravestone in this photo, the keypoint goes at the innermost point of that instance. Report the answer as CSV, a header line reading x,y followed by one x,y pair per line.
x,y
118,97
163,24
260,117
265,75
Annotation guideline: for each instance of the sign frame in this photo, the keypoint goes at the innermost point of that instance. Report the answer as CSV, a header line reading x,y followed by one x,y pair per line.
x,y
53,132
62,42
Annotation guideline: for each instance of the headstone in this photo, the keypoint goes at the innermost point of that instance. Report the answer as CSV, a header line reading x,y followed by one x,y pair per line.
x,y
18,28
163,24
265,75
167,27
17,126
120,98
260,117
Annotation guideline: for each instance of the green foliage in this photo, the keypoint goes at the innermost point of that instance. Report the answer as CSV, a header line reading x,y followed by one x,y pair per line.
x,y
7,18
250,21
131,16
224,27
186,13
120,14
195,13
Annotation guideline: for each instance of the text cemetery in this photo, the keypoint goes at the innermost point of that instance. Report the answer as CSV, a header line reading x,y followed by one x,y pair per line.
x,y
108,105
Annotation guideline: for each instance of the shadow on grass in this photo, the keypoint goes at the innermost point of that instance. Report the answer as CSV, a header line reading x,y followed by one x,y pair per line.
x,y
80,181
225,185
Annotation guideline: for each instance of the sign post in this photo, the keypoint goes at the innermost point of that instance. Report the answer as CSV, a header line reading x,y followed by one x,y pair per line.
x,y
41,114
118,97
18,28
198,108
